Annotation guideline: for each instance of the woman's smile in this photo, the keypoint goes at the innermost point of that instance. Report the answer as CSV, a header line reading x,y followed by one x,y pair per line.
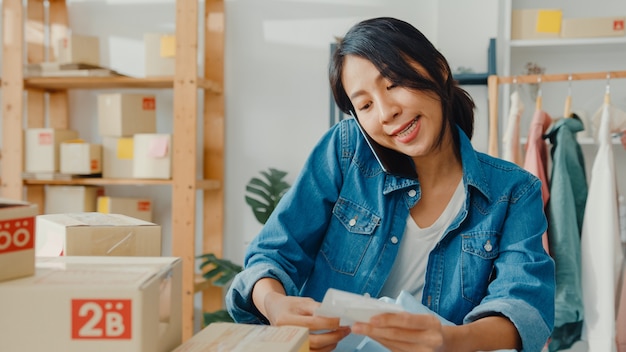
x,y
409,132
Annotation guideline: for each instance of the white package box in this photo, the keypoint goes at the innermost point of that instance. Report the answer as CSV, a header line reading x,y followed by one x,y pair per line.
x,y
17,239
95,304
96,234
79,49
160,53
117,157
80,158
124,114
139,208
152,156
43,148
71,199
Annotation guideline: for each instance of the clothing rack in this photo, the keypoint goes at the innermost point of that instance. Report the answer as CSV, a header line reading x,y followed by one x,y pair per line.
x,y
494,81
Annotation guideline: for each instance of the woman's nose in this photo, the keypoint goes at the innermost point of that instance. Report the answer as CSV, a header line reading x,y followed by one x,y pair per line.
x,y
389,109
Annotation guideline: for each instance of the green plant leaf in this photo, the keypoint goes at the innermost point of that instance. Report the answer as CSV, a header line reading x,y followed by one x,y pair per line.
x,y
222,271
264,195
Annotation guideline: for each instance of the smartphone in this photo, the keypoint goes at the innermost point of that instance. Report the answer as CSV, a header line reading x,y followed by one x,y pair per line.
x,y
391,161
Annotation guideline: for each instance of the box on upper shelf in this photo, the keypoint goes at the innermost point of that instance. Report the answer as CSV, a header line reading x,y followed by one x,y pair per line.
x,y
96,304
247,337
79,49
117,157
125,114
160,50
71,199
593,27
17,239
152,155
96,234
80,158
536,24
139,208
43,148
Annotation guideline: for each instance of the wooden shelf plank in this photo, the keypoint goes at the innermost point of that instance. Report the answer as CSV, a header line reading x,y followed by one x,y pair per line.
x,y
206,185
114,82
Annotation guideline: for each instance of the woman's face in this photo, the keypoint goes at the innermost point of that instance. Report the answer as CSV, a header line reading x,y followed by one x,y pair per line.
x,y
405,120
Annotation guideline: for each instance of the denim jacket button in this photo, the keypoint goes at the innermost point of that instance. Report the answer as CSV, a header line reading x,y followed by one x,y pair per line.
x,y
352,222
412,193
394,239
488,247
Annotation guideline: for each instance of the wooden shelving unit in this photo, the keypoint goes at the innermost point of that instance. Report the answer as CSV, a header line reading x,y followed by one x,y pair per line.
x,y
24,43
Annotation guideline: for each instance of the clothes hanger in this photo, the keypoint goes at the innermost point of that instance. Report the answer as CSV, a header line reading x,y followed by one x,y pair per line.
x,y
607,92
567,111
539,97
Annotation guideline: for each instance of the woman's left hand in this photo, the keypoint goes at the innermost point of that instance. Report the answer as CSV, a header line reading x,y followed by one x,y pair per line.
x,y
404,331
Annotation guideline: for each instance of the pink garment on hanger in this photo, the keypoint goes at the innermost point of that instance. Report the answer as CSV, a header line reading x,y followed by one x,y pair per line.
x,y
511,149
536,160
601,248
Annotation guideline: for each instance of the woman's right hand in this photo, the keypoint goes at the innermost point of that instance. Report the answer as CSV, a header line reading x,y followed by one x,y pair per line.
x,y
324,333
270,299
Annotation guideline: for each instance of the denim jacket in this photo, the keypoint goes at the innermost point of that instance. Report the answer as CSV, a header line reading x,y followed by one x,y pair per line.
x,y
341,223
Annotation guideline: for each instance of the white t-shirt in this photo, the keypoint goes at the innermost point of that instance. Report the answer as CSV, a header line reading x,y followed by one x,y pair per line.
x,y
409,269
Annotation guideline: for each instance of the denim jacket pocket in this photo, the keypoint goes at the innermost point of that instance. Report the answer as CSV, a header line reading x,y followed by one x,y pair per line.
x,y
349,236
479,250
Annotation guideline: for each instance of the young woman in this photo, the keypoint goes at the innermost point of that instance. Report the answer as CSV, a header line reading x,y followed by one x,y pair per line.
x,y
463,236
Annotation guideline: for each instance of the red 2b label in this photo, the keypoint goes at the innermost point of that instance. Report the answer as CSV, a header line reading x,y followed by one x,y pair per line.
x,y
108,319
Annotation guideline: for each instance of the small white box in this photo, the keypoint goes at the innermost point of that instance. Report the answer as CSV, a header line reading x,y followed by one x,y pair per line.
x,y
17,239
152,156
43,148
96,234
248,337
125,114
117,157
160,52
95,304
80,158
79,49
71,199
139,208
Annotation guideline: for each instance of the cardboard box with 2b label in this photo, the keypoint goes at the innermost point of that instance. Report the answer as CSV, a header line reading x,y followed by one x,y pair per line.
x,y
17,239
94,304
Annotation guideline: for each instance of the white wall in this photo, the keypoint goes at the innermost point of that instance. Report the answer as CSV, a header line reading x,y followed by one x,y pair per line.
x,y
277,95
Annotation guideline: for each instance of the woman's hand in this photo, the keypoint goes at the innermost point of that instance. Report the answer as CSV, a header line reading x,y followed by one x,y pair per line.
x,y
404,331
324,333
270,299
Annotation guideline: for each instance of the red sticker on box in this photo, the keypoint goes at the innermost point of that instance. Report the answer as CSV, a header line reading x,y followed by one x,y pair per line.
x,y
95,165
45,138
618,25
103,319
143,205
17,235
149,103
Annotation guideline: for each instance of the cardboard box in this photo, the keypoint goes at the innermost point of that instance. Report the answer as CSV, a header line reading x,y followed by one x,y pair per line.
x,y
80,158
244,337
96,234
71,199
152,156
117,157
535,24
125,114
95,304
160,50
139,208
17,239
593,27
79,49
43,148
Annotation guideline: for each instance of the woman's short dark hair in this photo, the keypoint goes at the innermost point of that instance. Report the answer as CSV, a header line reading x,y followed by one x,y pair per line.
x,y
394,47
